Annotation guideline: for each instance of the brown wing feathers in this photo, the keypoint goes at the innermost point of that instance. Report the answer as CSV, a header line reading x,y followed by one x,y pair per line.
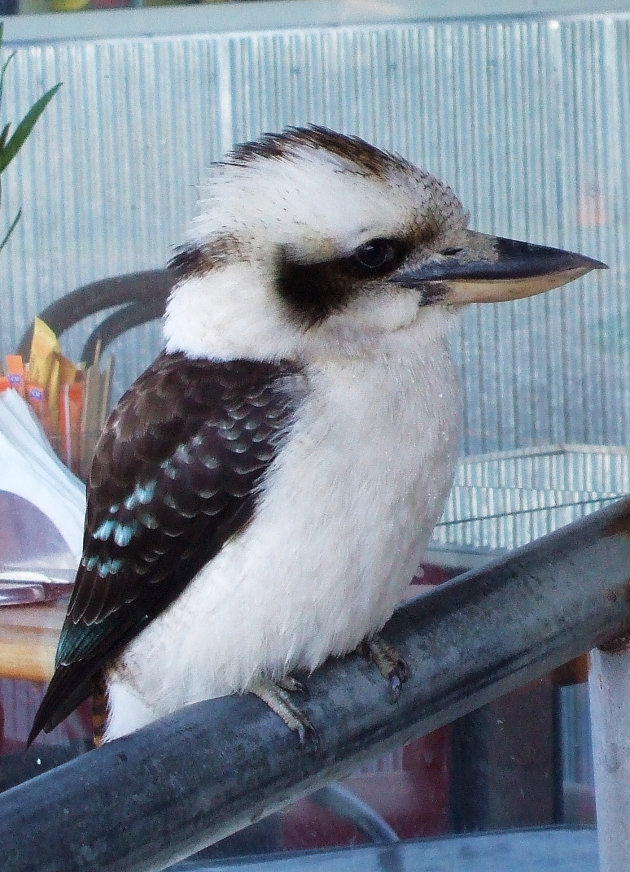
x,y
175,474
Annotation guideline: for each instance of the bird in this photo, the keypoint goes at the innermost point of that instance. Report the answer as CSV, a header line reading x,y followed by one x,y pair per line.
x,y
262,495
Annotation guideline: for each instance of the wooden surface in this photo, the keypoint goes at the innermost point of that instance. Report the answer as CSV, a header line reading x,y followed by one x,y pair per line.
x,y
28,639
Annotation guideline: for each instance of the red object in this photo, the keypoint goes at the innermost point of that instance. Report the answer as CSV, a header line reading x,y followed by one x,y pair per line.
x,y
413,800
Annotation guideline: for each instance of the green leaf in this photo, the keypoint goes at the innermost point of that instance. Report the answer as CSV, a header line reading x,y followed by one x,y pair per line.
x,y
11,229
25,126
4,134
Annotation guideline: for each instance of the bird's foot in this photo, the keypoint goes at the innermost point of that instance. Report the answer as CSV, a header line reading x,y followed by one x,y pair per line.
x,y
390,664
277,695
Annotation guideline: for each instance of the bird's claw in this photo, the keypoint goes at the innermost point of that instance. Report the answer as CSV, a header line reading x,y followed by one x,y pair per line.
x,y
292,685
390,664
276,694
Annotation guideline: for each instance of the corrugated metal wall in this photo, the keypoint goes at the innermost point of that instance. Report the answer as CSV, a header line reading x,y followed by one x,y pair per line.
x,y
529,120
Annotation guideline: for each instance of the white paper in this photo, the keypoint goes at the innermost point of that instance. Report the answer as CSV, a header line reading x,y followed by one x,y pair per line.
x,y
30,469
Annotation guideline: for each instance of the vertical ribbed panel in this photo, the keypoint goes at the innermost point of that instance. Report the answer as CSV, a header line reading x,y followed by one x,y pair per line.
x,y
529,120
107,180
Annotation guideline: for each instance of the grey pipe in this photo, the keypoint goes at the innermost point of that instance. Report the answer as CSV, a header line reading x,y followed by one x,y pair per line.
x,y
143,802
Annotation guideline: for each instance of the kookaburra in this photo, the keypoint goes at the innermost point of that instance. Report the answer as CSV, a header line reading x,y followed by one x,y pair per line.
x,y
263,494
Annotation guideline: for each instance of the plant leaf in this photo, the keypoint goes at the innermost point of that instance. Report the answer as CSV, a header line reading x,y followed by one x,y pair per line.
x,y
24,128
4,134
11,229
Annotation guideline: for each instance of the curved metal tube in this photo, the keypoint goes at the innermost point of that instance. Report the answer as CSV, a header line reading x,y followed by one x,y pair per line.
x,y
145,801
150,287
123,319
345,804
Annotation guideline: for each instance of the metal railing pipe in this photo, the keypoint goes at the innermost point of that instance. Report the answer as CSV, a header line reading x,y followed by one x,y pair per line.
x,y
152,798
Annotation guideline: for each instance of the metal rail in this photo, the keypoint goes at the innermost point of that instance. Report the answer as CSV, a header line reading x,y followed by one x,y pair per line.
x,y
152,798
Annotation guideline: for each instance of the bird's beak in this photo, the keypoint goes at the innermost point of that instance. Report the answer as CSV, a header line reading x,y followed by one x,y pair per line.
x,y
488,269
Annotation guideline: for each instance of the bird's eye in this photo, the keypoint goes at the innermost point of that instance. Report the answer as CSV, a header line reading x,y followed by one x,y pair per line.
x,y
377,255
449,252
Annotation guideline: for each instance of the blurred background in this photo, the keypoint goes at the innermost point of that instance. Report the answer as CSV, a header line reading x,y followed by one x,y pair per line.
x,y
524,109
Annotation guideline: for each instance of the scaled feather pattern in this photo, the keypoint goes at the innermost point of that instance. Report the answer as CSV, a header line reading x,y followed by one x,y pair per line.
x,y
193,437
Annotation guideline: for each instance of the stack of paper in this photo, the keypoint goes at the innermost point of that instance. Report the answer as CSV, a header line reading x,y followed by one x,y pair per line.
x,y
30,469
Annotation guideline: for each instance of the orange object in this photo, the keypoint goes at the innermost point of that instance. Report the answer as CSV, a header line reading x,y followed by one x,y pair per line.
x,y
15,373
43,347
52,395
70,403
37,400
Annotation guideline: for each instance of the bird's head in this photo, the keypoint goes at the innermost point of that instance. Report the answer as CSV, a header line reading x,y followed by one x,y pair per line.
x,y
310,242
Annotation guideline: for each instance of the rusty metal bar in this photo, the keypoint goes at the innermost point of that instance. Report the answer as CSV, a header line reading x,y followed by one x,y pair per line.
x,y
150,799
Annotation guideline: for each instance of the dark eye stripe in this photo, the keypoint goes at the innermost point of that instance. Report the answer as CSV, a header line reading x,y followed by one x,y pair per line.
x,y
313,290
